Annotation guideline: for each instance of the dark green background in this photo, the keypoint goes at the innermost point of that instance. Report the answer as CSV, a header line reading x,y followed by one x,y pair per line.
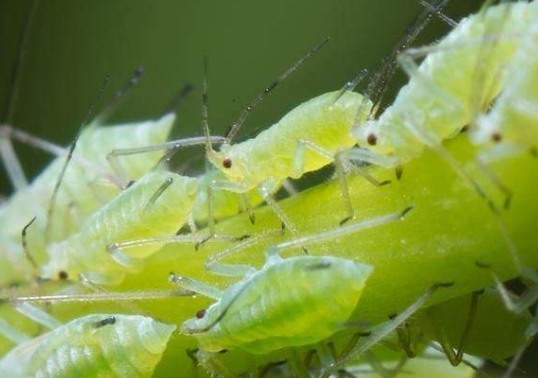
x,y
74,44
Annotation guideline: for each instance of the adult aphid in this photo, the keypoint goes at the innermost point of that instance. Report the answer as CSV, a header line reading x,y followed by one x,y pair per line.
x,y
99,345
284,303
439,101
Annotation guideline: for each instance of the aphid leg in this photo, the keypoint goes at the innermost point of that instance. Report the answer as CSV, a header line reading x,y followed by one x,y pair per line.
x,y
173,145
521,304
342,167
493,178
456,357
405,337
11,333
384,372
347,229
195,286
37,315
288,186
10,160
386,328
236,270
245,206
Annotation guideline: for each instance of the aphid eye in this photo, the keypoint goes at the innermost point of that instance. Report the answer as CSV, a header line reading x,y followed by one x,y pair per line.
x,y
372,139
62,275
200,314
227,163
496,137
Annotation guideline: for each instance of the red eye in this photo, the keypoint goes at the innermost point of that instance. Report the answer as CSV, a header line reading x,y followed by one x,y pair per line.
x,y
200,314
372,139
227,163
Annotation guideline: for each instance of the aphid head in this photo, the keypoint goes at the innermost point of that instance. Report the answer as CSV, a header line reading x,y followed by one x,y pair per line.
x,y
227,163
370,137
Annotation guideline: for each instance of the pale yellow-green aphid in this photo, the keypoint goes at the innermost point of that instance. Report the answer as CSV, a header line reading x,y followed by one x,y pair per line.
x,y
440,99
283,304
99,345
156,205
87,185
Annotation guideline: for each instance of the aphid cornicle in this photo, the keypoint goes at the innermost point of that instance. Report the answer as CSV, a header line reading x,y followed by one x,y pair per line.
x,y
99,345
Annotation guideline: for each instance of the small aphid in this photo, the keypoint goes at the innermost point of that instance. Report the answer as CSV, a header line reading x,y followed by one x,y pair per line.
x,y
99,345
149,208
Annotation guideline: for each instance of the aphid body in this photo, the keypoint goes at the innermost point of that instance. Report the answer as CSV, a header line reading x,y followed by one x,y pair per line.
x,y
149,208
107,346
285,149
86,187
287,303
443,95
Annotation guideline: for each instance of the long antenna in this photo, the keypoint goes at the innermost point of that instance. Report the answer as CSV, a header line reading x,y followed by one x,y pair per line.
x,y
13,87
178,98
234,128
379,81
119,97
54,198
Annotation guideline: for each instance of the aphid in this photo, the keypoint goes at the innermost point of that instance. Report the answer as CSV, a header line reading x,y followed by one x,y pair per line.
x,y
513,119
435,104
148,208
99,345
283,304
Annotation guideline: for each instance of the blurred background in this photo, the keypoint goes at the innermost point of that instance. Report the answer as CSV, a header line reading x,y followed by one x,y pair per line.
x,y
74,44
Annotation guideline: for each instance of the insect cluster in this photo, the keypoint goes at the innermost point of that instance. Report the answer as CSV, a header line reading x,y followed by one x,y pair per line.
x,y
404,253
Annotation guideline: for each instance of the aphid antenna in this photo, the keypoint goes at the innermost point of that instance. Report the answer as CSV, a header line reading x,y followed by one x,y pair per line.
x,y
380,79
337,232
119,97
352,84
438,13
24,241
234,128
126,296
178,98
9,158
52,203
13,86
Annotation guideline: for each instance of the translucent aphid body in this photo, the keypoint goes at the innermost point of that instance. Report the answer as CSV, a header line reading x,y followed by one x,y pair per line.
x,y
284,149
284,304
443,94
87,185
150,207
513,119
100,345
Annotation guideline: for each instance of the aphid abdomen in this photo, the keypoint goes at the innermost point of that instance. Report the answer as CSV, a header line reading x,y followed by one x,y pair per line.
x,y
133,215
107,346
458,78
295,302
324,121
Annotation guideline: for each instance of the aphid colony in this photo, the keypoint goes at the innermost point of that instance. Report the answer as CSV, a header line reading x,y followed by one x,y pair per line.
x,y
304,309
